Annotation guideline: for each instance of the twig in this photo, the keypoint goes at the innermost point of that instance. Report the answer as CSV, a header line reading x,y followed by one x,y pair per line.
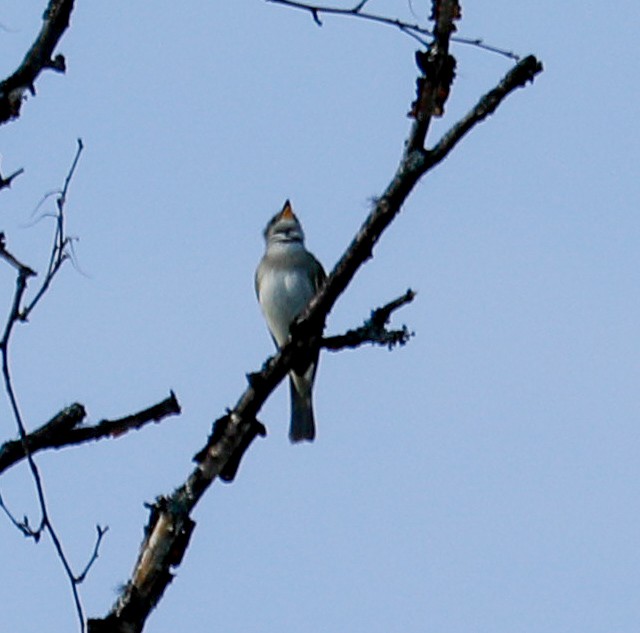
x,y
13,261
419,33
23,526
45,523
100,532
13,88
373,330
414,31
5,182
60,240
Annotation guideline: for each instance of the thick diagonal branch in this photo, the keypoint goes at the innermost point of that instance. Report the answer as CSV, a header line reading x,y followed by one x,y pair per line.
x,y
40,56
170,525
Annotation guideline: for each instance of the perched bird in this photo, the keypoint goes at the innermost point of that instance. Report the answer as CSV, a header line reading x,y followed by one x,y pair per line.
x,y
287,277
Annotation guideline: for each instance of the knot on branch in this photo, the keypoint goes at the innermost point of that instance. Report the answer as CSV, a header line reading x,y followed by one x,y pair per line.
x,y
58,64
179,527
444,13
215,445
523,72
11,102
23,270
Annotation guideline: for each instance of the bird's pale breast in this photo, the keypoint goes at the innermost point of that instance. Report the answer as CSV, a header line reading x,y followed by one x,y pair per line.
x,y
283,295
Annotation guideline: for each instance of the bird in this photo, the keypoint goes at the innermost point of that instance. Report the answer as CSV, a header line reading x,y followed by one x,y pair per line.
x,y
286,279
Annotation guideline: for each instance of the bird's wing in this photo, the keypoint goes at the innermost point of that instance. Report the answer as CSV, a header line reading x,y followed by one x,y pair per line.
x,y
319,276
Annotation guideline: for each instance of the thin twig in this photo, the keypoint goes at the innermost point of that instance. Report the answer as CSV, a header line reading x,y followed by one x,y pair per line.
x,y
101,531
414,30
23,526
5,182
60,240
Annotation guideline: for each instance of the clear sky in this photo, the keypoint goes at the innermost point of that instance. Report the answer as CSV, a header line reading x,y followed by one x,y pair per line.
x,y
484,478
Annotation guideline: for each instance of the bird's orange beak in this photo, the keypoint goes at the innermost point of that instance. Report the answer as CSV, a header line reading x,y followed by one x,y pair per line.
x,y
287,212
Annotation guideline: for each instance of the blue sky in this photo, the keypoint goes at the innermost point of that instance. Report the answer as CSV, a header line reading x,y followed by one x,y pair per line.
x,y
485,477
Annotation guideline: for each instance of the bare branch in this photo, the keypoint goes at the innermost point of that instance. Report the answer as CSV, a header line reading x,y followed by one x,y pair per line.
x,y
5,182
13,88
415,31
63,430
22,526
438,68
60,240
100,532
15,315
22,269
373,330
522,73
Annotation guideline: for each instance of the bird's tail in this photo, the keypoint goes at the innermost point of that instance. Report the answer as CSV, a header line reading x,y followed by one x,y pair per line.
x,y
302,423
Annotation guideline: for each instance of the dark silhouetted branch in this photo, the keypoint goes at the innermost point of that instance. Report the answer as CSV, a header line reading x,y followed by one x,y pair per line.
x,y
63,430
374,329
5,182
438,71
100,532
522,73
39,57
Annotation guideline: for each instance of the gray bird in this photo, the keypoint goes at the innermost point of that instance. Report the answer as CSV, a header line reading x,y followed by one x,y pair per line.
x,y
287,277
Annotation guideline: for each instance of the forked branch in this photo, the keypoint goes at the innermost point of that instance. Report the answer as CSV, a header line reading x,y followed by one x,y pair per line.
x,y
421,34
170,525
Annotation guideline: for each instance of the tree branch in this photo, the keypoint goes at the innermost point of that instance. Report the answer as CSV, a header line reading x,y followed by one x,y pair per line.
x,y
63,430
438,68
523,72
170,525
100,532
15,315
5,182
60,240
415,31
12,89
373,330
419,33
